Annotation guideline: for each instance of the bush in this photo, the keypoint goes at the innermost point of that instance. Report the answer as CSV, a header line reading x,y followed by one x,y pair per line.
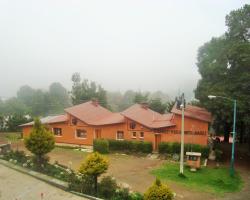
x,y
19,156
158,191
174,148
81,183
107,187
122,194
101,146
130,146
218,155
165,148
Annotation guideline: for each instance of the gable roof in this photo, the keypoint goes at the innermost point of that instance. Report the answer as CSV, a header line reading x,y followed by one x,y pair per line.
x,y
148,117
49,120
194,112
94,114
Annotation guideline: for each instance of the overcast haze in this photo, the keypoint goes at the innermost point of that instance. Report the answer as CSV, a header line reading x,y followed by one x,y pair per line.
x,y
141,45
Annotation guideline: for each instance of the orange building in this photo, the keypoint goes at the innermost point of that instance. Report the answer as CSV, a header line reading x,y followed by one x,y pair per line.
x,y
81,124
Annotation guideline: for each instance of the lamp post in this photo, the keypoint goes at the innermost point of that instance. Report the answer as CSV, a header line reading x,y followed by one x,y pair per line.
x,y
234,130
182,106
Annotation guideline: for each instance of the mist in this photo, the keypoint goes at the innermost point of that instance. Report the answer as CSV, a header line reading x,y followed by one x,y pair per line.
x,y
135,44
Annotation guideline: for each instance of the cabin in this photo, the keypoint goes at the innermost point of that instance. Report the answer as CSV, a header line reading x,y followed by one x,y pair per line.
x,y
83,123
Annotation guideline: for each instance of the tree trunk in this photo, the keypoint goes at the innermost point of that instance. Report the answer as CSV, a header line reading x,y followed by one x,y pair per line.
x,y
226,132
95,181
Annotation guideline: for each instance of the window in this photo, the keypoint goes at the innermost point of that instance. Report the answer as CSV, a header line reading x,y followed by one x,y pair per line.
x,y
133,134
81,133
57,131
120,135
141,134
74,121
132,125
193,158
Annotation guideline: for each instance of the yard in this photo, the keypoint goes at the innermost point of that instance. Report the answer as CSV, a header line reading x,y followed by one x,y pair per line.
x,y
140,172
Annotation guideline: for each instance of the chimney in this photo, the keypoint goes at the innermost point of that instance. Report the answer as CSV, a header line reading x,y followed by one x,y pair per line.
x,y
95,102
144,105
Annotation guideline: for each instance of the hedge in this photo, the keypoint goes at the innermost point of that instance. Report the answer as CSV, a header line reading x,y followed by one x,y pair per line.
x,y
174,148
130,146
105,146
101,146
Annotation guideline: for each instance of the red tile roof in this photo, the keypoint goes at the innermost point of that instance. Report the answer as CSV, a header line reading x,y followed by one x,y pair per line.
x,y
94,114
148,117
194,112
49,120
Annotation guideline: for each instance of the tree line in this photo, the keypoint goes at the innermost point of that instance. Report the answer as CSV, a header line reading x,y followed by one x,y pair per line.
x,y
30,102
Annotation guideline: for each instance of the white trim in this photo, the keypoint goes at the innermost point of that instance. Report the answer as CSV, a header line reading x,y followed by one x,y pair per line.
x,y
116,135
132,135
55,134
80,138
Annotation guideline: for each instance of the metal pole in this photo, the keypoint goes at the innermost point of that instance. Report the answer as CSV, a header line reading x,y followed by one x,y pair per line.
x,y
182,136
233,143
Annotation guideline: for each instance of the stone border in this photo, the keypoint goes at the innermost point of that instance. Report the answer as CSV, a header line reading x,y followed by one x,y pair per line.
x,y
48,179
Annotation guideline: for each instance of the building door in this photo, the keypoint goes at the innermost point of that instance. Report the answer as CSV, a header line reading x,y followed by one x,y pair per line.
x,y
157,140
98,133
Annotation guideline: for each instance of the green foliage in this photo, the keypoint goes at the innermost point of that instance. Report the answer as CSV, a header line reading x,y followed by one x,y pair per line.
x,y
40,141
174,148
122,194
130,146
94,165
14,121
85,91
140,97
107,187
101,146
81,183
223,64
158,191
218,155
207,179
157,105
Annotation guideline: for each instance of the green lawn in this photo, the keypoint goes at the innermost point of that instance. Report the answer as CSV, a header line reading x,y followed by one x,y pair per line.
x,y
214,180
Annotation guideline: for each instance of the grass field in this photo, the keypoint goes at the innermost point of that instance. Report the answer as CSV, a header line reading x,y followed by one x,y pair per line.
x,y
214,180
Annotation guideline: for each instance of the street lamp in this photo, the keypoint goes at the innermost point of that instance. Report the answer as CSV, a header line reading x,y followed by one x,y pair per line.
x,y
234,130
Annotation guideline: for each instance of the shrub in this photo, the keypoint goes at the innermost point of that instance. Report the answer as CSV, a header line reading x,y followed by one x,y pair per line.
x,y
205,152
107,187
101,146
122,194
218,155
136,196
176,148
165,147
81,183
40,141
158,191
130,146
94,166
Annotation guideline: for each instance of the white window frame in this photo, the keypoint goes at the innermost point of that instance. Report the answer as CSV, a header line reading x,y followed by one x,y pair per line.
x,y
53,129
132,136
140,134
117,135
81,138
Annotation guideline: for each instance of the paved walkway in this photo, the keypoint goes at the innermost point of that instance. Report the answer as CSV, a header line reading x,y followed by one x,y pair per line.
x,y
18,186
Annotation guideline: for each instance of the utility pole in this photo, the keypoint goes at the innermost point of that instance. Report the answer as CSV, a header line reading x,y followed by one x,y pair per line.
x,y
182,133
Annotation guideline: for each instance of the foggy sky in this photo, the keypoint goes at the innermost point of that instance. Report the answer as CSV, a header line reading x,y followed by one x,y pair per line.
x,y
132,44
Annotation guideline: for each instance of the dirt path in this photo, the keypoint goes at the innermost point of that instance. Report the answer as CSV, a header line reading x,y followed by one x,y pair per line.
x,y
135,172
